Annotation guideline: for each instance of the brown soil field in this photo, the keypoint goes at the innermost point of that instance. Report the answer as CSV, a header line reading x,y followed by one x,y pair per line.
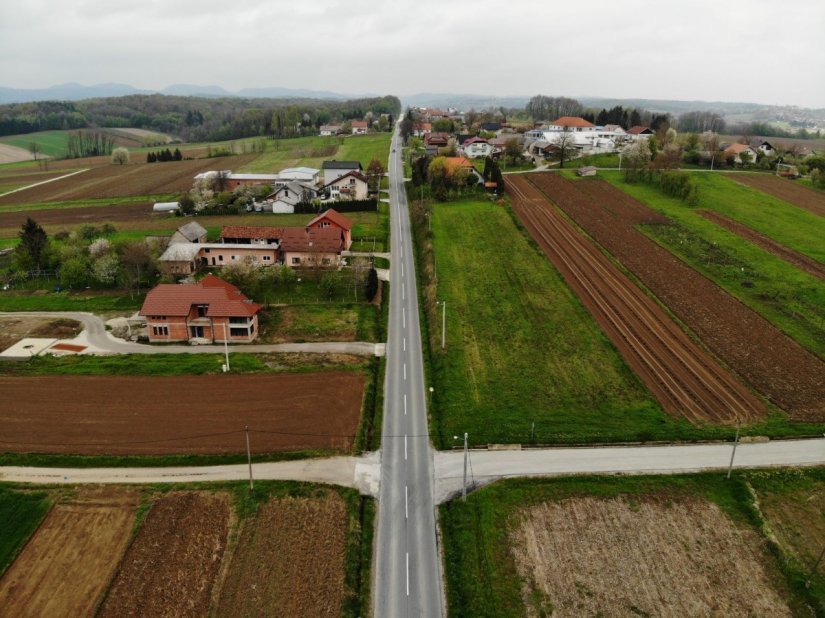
x,y
65,567
109,181
13,154
173,563
773,363
140,415
302,543
683,378
801,261
643,555
28,178
53,218
15,328
787,190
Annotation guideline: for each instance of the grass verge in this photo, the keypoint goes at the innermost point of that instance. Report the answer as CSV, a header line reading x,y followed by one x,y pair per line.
x,y
21,512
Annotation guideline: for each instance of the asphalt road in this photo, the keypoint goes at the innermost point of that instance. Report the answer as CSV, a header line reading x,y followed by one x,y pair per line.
x,y
407,562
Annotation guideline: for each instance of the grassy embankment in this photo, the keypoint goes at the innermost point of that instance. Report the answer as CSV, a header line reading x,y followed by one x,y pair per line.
x,y
481,573
784,295
21,513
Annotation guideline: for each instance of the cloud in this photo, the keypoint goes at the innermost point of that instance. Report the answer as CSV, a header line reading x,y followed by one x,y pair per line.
x,y
746,50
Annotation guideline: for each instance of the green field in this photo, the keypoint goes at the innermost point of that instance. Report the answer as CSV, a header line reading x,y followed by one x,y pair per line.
x,y
50,143
320,322
42,300
313,151
784,295
480,568
524,361
21,513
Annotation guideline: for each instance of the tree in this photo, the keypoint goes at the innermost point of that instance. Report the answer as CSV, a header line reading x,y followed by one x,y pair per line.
x,y
635,158
372,284
565,141
34,148
105,268
120,156
137,262
34,246
512,150
375,172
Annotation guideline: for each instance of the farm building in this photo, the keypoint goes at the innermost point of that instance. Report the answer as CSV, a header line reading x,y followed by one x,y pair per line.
x,y
588,170
208,311
166,206
335,169
192,232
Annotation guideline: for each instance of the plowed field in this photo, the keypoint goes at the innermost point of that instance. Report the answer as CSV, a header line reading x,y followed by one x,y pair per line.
x,y
109,181
67,564
787,190
803,262
193,414
771,362
76,216
302,543
173,563
685,380
645,557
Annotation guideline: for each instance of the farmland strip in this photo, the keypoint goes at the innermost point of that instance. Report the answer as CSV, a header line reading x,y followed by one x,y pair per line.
x,y
682,377
772,362
796,194
801,261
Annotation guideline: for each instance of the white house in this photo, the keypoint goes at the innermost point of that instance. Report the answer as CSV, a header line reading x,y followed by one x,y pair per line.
x,y
335,169
359,127
584,135
476,147
736,150
293,193
351,186
330,129
639,132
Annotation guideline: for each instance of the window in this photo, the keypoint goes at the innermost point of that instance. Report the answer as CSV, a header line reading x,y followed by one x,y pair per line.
x,y
325,261
220,258
267,258
238,332
202,310
296,260
206,250
236,320
233,257
160,331
159,318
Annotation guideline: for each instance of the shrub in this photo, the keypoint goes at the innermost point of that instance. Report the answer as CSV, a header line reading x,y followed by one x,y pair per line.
x,y
681,185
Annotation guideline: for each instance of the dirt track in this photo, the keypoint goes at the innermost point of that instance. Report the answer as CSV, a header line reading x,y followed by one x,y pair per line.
x,y
787,190
685,380
801,261
161,415
65,567
769,360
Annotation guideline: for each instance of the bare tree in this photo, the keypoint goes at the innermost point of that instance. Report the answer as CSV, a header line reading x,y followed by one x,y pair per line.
x,y
565,141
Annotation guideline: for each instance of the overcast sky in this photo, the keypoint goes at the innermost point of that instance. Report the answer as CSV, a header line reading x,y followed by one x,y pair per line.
x,y
764,51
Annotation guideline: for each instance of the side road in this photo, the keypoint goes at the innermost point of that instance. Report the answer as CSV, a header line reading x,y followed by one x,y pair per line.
x,y
100,341
484,467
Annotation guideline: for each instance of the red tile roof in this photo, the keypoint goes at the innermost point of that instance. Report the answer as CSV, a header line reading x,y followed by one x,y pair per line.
x,y
737,148
223,299
251,231
637,130
572,121
359,124
312,240
335,217
453,163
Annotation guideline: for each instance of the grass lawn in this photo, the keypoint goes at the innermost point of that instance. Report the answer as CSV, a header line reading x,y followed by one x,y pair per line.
x,y
319,322
607,159
50,143
43,300
90,203
480,568
21,513
520,347
313,151
784,295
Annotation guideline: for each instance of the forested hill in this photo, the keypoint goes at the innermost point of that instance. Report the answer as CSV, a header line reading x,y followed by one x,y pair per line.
x,y
193,119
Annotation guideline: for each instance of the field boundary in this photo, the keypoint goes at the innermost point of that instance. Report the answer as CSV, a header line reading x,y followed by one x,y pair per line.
x,y
43,182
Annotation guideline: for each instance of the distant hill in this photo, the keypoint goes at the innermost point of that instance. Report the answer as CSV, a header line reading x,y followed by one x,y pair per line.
x,y
78,92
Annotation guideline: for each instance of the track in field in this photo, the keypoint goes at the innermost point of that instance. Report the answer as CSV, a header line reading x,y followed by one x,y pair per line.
x,y
685,379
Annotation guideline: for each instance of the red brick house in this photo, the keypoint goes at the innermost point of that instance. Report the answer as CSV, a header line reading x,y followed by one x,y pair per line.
x,y
334,219
208,311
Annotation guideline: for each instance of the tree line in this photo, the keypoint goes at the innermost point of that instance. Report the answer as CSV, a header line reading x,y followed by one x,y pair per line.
x,y
193,119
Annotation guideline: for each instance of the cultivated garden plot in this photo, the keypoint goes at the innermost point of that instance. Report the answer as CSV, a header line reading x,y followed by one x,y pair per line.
x,y
289,559
685,379
769,360
798,195
65,567
684,545
645,555
801,261
158,415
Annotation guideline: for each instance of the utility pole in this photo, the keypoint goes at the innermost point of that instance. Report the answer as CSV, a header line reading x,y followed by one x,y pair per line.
x,y
226,346
466,457
249,458
735,442
443,324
